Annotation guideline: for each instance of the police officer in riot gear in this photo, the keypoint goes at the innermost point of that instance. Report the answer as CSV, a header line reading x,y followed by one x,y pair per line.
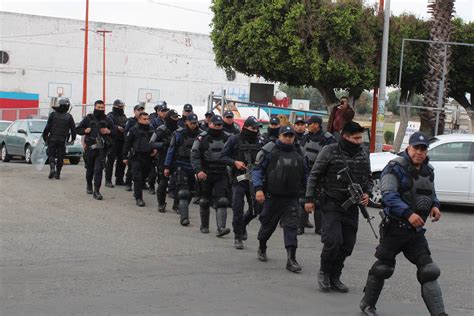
x,y
131,122
339,228
162,136
279,176
159,107
204,124
178,159
142,151
300,128
313,141
409,198
230,127
187,109
212,174
56,132
271,135
114,155
240,152
97,129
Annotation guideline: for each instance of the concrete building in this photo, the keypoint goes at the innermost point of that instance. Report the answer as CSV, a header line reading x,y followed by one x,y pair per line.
x,y
44,56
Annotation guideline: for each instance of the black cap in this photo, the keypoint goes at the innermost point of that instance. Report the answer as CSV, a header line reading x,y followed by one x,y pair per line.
x,y
252,122
216,119
275,120
419,138
193,118
187,107
286,130
315,119
138,106
161,105
299,119
209,114
228,114
172,114
119,103
352,128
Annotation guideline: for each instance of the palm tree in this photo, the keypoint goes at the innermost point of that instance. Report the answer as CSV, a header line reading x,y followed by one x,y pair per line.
x,y
442,12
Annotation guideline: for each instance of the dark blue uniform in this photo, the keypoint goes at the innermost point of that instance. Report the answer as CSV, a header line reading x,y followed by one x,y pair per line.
x,y
115,153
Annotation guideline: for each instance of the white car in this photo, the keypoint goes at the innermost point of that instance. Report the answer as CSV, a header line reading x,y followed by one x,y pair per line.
x,y
452,157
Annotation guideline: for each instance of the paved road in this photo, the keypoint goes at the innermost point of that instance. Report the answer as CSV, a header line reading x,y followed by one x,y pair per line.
x,y
63,253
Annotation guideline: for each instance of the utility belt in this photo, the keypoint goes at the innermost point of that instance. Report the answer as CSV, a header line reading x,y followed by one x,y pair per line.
x,y
389,222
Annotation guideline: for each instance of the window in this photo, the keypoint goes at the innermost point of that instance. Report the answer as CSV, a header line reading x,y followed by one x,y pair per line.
x,y
4,57
14,127
23,126
36,126
458,151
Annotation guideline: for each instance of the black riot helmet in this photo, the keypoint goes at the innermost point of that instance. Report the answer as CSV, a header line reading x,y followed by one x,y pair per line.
x,y
63,105
160,105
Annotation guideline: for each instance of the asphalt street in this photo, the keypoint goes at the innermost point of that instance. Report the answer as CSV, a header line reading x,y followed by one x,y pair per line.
x,y
64,253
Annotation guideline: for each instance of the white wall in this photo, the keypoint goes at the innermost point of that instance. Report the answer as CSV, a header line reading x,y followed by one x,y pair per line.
x,y
181,65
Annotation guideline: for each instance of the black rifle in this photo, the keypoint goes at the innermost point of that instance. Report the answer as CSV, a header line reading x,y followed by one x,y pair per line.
x,y
355,192
256,207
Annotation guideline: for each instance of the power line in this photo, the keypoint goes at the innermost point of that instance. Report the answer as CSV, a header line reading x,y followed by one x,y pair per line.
x,y
179,7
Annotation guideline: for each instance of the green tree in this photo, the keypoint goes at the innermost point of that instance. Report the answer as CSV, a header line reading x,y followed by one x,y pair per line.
x,y
316,101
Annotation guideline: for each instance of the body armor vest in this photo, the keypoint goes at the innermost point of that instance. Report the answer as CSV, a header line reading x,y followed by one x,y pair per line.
x,y
186,143
419,194
313,145
284,173
141,143
213,148
60,129
247,151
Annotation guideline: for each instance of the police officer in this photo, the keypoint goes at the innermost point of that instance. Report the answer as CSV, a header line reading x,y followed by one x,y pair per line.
x,y
281,172
131,122
240,152
55,134
142,151
212,174
230,127
158,118
204,125
162,136
313,141
409,197
118,119
187,109
97,129
178,159
300,128
273,129
339,224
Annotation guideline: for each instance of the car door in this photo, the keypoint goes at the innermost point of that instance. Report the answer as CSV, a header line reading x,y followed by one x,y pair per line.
x,y
471,186
10,139
453,170
21,137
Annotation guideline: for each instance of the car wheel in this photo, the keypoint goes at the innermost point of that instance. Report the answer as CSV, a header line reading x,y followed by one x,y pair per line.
x,y
74,160
28,152
376,198
5,156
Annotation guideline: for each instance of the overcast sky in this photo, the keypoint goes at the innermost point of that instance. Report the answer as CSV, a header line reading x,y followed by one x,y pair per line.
x,y
192,16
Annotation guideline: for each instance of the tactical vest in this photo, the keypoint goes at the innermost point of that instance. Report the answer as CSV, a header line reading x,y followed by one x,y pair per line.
x,y
60,126
141,143
95,125
419,193
313,145
247,151
167,134
284,173
359,166
212,152
229,131
186,143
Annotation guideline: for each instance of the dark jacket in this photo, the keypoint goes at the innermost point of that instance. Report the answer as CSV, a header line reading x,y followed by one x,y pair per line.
x,y
59,127
138,139
95,124
347,116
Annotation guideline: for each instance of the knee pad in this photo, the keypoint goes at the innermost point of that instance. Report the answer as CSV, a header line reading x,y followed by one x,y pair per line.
x,y
184,194
222,202
204,203
427,273
381,270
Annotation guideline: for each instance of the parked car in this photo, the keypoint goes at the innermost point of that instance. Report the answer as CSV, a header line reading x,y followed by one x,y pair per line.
x,y
452,157
21,137
4,125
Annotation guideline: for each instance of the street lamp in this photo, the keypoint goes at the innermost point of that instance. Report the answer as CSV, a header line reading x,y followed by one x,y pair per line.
x,y
84,78
103,33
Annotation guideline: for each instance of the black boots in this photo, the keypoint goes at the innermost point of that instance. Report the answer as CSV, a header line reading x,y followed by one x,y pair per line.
x,y
262,251
324,281
57,174
162,208
291,263
204,212
152,190
128,187
238,244
109,184
183,209
140,202
89,188
338,286
221,218
51,170
97,194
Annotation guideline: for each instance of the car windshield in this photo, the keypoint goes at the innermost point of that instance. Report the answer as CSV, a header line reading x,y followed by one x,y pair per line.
x,y
36,126
4,125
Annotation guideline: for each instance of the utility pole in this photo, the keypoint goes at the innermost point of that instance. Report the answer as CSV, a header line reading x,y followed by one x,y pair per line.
x,y
103,33
84,78
383,80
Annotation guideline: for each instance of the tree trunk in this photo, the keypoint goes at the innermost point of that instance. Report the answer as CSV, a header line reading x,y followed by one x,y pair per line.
x,y
442,12
405,99
328,95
